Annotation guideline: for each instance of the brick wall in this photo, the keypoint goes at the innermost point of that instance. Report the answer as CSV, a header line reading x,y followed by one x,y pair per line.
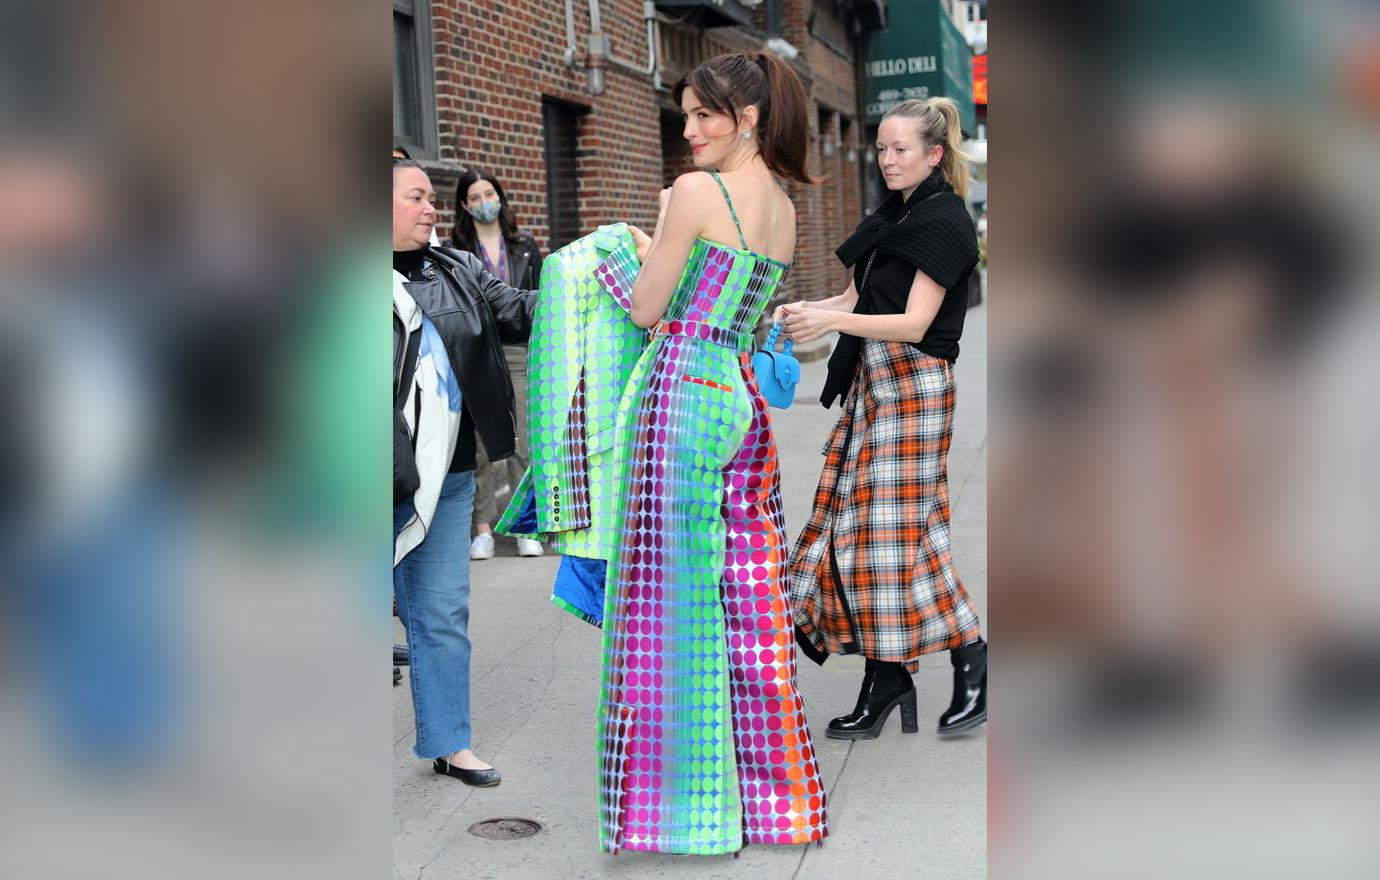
x,y
494,63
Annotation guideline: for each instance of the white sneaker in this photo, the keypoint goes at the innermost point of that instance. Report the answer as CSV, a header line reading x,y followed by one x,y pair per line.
x,y
482,547
528,547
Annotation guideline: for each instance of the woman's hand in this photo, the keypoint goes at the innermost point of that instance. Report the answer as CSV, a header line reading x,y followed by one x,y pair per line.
x,y
805,324
641,241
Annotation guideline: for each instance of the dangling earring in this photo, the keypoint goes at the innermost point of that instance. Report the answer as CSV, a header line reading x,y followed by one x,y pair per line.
x,y
746,135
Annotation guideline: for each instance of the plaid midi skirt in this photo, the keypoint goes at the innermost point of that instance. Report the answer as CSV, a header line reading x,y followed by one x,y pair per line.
x,y
871,573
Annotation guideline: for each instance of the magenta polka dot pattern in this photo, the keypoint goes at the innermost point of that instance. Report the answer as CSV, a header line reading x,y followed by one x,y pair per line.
x,y
783,800
703,739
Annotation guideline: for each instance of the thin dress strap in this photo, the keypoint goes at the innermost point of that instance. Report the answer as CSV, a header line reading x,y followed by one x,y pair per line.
x,y
734,214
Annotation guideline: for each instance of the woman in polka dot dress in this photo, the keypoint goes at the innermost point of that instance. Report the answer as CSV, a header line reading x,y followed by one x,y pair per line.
x,y
704,746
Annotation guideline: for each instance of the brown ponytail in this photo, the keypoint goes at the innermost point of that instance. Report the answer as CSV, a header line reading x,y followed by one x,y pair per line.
x,y
937,122
785,130
730,83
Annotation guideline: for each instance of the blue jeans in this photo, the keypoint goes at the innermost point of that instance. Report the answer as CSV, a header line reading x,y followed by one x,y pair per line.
x,y
432,586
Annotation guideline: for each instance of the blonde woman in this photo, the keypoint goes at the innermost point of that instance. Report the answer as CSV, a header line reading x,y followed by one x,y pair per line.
x,y
871,572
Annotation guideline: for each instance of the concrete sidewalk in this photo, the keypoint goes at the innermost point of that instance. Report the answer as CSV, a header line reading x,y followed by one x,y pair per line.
x,y
907,806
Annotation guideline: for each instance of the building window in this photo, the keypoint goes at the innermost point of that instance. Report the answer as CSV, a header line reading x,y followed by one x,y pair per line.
x,y
676,158
560,128
414,78
776,18
849,164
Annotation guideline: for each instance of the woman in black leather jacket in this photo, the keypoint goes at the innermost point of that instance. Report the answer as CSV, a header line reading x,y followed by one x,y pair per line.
x,y
474,313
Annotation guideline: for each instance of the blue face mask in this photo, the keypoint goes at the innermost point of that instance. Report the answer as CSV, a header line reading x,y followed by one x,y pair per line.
x,y
487,212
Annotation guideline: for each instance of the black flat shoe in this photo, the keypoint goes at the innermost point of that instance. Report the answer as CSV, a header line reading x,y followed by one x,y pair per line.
x,y
397,675
885,686
478,778
968,709
400,654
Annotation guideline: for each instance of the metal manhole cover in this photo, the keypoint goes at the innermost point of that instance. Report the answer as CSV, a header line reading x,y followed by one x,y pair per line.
x,y
505,828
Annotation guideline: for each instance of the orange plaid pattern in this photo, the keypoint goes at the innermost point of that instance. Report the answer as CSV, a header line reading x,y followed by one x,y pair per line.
x,y
871,573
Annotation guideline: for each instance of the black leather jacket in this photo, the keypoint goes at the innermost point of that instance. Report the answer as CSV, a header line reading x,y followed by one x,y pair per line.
x,y
475,314
524,262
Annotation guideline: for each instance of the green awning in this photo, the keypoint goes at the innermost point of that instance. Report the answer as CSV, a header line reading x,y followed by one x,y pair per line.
x,y
920,54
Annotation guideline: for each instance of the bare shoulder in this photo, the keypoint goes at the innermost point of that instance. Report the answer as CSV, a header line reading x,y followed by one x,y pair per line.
x,y
694,184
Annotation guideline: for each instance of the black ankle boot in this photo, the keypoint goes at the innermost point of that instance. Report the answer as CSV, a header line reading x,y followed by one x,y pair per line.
x,y
843,721
969,706
885,686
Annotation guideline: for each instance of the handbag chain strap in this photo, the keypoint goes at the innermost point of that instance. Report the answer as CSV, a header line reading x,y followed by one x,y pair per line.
x,y
867,270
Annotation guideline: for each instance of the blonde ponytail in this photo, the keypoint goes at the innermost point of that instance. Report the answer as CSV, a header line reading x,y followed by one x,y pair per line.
x,y
937,122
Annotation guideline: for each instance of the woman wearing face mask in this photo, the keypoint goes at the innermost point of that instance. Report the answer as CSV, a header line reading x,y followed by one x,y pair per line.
x,y
485,227
472,312
871,573
702,728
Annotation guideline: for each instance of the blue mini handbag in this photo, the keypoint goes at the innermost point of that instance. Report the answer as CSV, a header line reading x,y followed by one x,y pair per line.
x,y
777,371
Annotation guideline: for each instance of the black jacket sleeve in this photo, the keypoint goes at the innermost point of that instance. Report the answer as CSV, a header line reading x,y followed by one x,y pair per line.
x,y
511,307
